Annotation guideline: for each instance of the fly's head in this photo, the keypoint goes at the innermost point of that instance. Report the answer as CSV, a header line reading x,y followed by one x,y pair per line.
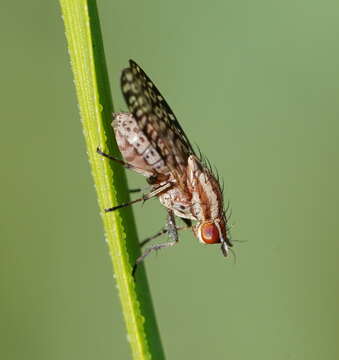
x,y
214,232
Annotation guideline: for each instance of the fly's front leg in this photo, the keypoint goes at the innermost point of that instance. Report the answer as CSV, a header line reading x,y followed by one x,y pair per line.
x,y
171,227
165,230
173,234
147,240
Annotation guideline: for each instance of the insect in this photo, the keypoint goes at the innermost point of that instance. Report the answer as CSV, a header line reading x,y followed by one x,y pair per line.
x,y
153,144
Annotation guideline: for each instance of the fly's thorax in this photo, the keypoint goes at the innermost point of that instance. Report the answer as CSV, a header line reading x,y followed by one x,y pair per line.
x,y
178,201
135,147
207,200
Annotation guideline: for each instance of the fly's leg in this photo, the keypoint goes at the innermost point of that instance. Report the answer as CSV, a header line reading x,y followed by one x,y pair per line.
x,y
134,190
164,231
172,231
171,227
152,179
188,223
138,190
145,197
121,162
147,240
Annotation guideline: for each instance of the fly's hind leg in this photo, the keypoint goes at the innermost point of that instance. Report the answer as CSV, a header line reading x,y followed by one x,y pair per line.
x,y
152,179
121,162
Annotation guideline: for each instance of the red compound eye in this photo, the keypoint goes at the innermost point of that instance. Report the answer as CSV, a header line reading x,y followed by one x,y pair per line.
x,y
210,233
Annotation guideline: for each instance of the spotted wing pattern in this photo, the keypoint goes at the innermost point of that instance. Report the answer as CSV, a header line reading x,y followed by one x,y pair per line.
x,y
156,119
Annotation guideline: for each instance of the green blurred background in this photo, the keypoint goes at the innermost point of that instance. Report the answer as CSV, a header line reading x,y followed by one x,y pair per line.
x,y
255,84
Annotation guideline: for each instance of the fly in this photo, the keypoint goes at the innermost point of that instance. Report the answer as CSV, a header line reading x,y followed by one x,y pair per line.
x,y
153,144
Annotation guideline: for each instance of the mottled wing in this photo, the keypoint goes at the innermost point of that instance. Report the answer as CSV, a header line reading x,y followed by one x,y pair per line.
x,y
156,119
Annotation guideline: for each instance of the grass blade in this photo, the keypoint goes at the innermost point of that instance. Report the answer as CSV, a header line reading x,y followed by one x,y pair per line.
x,y
85,48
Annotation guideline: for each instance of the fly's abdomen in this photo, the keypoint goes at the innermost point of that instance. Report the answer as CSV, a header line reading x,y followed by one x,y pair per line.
x,y
135,147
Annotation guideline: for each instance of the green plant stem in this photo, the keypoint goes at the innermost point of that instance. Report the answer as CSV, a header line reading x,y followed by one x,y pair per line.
x,y
85,47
